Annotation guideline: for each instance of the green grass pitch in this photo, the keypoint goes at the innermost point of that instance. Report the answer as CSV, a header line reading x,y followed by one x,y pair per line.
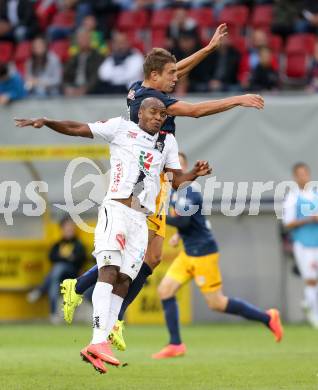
x,y
220,357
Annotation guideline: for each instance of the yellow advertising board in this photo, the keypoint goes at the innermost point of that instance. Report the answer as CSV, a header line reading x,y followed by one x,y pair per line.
x,y
146,309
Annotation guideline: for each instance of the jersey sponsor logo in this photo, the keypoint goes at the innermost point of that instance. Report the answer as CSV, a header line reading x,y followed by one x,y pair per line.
x,y
117,177
132,134
145,160
131,94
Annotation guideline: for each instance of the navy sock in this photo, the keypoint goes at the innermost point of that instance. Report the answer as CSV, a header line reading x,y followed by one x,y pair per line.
x,y
171,311
244,309
86,280
135,288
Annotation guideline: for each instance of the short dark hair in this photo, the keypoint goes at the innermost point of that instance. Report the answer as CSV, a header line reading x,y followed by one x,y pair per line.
x,y
300,165
156,59
66,218
183,155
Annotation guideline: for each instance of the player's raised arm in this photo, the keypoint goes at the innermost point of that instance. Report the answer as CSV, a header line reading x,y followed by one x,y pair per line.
x,y
201,168
210,107
76,129
187,64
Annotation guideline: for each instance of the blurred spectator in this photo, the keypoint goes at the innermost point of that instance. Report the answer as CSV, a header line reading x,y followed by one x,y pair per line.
x,y
67,257
310,17
80,73
98,42
264,76
313,72
43,70
122,67
197,80
180,23
45,10
251,59
286,14
17,20
11,85
227,62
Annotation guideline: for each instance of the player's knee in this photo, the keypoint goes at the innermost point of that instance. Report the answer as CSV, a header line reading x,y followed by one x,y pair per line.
x,y
121,288
217,303
154,260
164,291
108,274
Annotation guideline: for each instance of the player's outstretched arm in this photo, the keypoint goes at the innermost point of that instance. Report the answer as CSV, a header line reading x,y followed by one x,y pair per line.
x,y
76,129
187,64
201,168
210,107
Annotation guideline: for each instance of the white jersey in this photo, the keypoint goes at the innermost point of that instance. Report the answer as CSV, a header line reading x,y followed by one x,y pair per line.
x,y
137,159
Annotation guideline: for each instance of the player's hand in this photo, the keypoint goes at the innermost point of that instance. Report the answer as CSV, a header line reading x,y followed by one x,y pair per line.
x,y
252,100
202,168
37,123
174,240
216,40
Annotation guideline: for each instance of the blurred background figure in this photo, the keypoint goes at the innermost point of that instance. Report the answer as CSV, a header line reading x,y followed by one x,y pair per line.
x,y
313,72
226,67
181,23
80,72
11,85
43,70
89,23
122,67
286,14
67,257
264,76
302,221
17,20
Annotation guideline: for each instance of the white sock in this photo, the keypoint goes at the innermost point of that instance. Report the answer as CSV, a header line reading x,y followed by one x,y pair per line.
x,y
311,298
115,306
101,306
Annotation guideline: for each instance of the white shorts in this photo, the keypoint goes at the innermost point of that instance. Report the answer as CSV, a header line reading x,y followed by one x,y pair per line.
x,y
120,228
307,260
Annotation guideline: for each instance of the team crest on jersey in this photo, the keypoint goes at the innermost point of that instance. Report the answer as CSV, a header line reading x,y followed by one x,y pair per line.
x,y
145,160
131,94
160,145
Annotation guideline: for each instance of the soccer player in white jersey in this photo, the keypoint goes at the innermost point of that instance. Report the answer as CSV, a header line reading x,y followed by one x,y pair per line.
x,y
301,218
139,153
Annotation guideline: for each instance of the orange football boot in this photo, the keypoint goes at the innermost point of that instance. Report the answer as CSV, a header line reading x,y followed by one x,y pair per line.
x,y
275,324
103,352
170,351
95,362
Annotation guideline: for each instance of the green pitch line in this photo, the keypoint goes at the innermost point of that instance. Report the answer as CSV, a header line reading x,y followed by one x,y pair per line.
x,y
220,357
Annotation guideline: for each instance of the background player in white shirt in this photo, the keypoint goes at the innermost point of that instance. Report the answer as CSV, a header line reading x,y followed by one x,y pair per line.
x,y
121,234
301,218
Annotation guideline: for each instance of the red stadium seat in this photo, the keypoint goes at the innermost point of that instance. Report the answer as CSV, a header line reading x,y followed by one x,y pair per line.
x,y
296,65
61,49
161,19
275,42
203,16
137,44
158,38
235,16
132,20
22,52
262,17
64,19
6,51
301,43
